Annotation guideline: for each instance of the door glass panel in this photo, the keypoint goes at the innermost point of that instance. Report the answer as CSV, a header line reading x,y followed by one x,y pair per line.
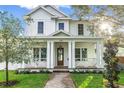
x,y
60,54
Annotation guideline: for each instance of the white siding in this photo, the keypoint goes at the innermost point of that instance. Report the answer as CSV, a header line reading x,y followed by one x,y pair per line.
x,y
74,28
41,15
66,25
51,25
120,51
54,11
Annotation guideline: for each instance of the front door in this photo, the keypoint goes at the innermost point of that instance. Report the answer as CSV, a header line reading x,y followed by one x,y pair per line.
x,y
60,56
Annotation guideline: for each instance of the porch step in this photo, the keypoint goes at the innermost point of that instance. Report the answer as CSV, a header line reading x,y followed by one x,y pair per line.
x,y
60,70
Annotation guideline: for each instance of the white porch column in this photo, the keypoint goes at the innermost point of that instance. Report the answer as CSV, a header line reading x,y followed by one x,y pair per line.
x,y
52,54
98,53
48,54
73,54
69,55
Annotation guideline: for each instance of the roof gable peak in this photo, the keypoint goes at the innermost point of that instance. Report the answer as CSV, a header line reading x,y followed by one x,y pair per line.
x,y
60,33
37,8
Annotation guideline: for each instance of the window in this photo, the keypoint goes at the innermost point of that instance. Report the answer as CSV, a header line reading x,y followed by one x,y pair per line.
x,y
36,53
43,54
80,54
84,54
77,54
61,26
40,54
80,29
40,27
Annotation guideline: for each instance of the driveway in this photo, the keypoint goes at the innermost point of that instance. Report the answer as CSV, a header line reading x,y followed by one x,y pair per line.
x,y
60,80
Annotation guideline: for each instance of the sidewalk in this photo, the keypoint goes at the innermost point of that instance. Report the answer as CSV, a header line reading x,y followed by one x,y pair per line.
x,y
60,80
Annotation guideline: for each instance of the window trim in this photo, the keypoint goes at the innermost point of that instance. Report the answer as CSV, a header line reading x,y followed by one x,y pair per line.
x,y
38,27
39,53
81,58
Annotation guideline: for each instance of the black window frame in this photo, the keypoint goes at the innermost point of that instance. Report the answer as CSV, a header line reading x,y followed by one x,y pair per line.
x,y
61,26
43,54
80,29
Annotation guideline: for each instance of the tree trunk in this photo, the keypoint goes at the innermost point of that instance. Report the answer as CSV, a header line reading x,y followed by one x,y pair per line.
x,y
6,59
7,78
111,84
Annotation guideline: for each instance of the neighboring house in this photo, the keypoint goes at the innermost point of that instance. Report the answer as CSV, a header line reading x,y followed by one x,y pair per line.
x,y
120,55
61,42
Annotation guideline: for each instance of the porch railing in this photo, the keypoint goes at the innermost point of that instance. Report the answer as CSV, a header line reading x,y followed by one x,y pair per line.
x,y
86,62
85,59
35,62
39,59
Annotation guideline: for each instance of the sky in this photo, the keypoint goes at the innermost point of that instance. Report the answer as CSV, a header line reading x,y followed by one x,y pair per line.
x,y
19,11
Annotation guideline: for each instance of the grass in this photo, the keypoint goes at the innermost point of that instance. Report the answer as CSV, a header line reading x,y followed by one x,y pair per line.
x,y
91,80
26,80
121,81
87,80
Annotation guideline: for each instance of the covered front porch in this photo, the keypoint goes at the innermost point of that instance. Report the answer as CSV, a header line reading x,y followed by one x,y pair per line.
x,y
61,53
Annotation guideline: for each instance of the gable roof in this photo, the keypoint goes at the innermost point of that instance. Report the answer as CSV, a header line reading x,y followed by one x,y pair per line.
x,y
37,8
58,10
43,7
60,33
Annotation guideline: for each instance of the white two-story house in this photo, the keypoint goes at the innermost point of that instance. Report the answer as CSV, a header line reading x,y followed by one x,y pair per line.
x,y
61,42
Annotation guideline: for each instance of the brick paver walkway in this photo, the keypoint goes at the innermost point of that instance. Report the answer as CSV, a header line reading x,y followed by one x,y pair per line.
x,y
60,80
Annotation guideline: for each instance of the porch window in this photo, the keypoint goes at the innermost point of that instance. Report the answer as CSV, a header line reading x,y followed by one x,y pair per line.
x,y
36,54
81,54
84,54
61,26
40,54
77,54
80,29
43,54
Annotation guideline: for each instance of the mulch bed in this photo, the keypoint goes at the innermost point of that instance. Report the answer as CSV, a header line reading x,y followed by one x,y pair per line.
x,y
10,83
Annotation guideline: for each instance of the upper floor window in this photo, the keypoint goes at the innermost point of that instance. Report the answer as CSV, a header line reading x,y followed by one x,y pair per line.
x,y
61,26
40,27
80,29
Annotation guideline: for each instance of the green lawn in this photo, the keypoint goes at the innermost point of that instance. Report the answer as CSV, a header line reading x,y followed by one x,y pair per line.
x,y
87,80
90,80
121,75
26,80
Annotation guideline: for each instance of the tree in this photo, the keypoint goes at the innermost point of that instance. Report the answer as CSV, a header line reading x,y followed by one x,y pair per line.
x,y
13,47
111,67
81,11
